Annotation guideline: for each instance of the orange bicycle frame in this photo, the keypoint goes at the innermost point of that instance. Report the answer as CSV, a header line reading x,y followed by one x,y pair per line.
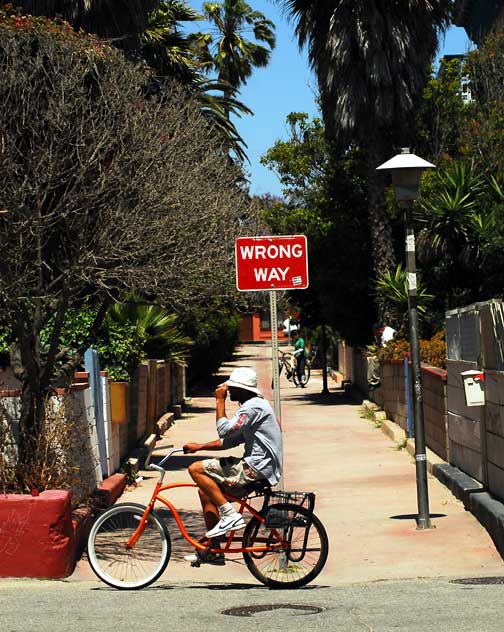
x,y
156,496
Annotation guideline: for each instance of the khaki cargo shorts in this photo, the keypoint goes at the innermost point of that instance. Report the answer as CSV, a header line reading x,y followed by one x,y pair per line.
x,y
232,474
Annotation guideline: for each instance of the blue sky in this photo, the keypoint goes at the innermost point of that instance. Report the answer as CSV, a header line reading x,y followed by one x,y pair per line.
x,y
287,85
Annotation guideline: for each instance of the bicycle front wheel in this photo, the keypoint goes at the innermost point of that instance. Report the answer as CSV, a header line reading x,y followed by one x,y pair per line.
x,y
305,554
128,568
305,376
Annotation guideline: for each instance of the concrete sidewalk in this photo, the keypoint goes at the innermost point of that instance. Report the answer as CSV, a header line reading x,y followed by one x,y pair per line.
x,y
366,492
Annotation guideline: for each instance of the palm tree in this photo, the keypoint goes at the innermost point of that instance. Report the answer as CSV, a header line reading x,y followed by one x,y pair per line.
x,y
371,58
165,47
228,51
216,108
449,215
392,286
455,225
158,327
170,53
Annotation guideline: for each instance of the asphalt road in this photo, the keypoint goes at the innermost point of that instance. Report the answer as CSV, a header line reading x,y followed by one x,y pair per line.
x,y
416,605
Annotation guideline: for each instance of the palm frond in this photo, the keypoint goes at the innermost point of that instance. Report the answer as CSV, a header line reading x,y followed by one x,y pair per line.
x,y
163,339
370,57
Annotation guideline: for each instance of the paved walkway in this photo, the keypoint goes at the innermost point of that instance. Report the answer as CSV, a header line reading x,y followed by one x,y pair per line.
x,y
366,492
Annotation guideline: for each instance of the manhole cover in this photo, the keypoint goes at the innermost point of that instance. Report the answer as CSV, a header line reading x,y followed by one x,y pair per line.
x,y
250,611
476,581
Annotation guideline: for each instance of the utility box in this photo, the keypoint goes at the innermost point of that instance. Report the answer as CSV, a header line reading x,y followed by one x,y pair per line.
x,y
474,387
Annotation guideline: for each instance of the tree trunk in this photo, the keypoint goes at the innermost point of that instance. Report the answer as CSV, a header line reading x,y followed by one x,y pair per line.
x,y
31,423
32,395
383,255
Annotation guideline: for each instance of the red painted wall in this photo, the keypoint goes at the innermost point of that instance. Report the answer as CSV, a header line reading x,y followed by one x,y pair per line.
x,y
36,535
250,329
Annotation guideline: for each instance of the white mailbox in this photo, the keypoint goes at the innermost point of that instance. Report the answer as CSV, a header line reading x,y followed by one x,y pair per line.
x,y
474,387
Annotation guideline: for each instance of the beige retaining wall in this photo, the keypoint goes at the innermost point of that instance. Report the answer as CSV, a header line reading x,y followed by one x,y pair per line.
x,y
156,387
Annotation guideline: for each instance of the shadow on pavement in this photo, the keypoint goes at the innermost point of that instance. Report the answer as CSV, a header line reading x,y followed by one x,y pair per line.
x,y
197,410
415,516
340,398
241,586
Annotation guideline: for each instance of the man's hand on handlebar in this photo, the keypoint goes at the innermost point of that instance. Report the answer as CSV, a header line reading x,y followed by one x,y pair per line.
x,y
191,448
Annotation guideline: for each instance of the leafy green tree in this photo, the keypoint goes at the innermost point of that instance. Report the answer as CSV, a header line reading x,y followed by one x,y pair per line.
x,y
485,128
214,329
442,114
227,50
105,191
371,60
324,199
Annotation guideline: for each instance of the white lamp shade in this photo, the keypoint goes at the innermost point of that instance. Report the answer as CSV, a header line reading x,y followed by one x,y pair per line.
x,y
406,170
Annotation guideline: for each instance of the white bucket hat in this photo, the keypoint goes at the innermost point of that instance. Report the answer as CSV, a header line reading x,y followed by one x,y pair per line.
x,y
246,378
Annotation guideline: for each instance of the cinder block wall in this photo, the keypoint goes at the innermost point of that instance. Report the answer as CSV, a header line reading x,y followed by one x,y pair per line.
x,y
391,397
464,424
494,423
360,372
435,411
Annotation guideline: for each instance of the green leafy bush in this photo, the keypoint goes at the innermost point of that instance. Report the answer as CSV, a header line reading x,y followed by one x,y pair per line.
x,y
4,348
119,344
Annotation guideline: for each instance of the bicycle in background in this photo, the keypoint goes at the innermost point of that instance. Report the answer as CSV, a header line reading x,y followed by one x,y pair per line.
x,y
286,360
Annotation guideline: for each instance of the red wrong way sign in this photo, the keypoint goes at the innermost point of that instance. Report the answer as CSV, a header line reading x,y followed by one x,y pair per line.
x,y
271,263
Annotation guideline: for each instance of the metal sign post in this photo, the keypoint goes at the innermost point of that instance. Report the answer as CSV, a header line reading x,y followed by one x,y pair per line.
x,y
274,356
272,263
274,360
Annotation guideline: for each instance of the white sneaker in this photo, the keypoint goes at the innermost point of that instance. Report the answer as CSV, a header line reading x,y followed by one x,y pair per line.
x,y
206,557
227,523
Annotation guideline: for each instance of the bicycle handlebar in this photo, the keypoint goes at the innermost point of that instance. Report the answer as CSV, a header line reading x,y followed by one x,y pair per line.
x,y
160,468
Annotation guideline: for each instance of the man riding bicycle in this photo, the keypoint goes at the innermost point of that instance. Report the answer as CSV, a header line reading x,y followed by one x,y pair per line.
x,y
255,425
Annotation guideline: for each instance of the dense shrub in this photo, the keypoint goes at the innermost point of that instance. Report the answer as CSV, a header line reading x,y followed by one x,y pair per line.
x,y
215,331
432,352
119,345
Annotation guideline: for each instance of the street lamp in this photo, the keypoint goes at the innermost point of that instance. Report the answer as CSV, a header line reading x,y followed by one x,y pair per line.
x,y
406,170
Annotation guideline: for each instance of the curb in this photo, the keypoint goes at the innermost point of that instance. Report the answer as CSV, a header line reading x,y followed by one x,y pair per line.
x,y
460,484
82,517
398,434
110,490
488,510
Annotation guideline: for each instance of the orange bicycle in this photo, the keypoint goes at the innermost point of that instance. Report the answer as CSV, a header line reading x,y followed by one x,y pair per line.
x,y
284,544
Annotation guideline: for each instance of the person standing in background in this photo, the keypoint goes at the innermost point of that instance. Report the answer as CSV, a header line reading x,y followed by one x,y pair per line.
x,y
299,355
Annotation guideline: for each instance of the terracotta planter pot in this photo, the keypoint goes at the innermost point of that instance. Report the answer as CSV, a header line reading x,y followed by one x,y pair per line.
x,y
119,402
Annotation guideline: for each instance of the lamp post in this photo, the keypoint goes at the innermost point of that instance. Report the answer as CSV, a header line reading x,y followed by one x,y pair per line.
x,y
406,170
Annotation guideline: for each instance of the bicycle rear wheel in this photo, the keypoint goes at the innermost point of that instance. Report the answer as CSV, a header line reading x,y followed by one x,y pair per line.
x,y
303,559
118,566
304,377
